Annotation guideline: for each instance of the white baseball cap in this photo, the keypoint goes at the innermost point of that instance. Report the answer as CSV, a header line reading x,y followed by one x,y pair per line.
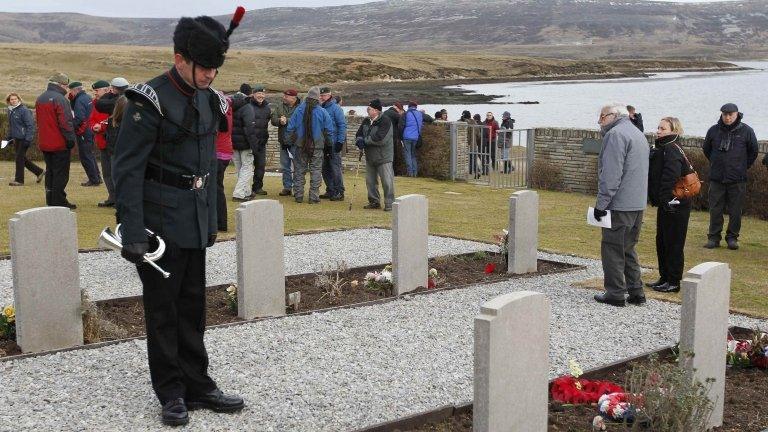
x,y
119,82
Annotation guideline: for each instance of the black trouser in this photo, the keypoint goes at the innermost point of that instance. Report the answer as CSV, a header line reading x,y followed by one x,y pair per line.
x,y
174,310
22,162
56,177
722,195
221,199
106,169
87,159
671,229
259,166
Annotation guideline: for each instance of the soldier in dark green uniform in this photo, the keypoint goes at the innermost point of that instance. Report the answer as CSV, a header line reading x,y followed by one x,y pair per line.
x,y
165,180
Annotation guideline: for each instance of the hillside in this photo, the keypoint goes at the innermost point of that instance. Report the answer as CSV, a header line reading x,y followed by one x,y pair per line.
x,y
25,68
546,28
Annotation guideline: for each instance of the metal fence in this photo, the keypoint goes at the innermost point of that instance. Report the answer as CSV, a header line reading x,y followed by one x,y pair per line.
x,y
499,160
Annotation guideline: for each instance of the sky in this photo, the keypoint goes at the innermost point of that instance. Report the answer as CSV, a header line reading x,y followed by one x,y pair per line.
x,y
170,8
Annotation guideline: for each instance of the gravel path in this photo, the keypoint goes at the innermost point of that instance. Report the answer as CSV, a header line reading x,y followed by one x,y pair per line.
x,y
105,275
331,371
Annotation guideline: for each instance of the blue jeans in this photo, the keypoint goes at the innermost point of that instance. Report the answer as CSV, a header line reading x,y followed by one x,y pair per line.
x,y
411,163
332,175
286,168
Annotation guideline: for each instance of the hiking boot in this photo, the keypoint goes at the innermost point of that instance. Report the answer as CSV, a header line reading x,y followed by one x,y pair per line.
x,y
325,196
387,209
259,192
733,244
601,298
285,192
372,206
339,197
15,183
637,300
299,200
712,244
313,201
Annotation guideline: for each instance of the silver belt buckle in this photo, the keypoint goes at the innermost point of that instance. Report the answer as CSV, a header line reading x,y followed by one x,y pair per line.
x,y
198,181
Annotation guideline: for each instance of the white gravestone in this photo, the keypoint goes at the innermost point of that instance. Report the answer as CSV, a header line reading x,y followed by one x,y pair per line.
x,y
523,232
410,230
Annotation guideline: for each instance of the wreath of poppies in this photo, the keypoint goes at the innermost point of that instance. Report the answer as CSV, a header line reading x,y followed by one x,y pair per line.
x,y
748,353
616,407
570,390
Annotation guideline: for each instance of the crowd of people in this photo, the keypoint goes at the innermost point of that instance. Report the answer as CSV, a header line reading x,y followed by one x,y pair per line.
x,y
631,174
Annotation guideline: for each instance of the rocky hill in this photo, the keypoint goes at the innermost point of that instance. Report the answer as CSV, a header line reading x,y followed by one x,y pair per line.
x,y
552,28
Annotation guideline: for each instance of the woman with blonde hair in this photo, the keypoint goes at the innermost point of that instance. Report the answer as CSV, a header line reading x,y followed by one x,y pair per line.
x,y
21,130
668,163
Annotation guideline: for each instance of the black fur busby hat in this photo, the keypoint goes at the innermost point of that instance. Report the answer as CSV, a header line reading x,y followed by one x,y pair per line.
x,y
204,40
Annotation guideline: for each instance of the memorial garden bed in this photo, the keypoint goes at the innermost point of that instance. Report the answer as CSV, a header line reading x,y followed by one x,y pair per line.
x,y
745,395
124,317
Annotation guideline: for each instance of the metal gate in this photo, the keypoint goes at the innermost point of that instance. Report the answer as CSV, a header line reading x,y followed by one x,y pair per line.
x,y
499,160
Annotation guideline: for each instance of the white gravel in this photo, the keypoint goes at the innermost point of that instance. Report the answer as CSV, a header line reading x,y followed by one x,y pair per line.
x,y
331,371
105,275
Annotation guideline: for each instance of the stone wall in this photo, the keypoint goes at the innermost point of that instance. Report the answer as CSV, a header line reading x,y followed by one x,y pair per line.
x,y
574,153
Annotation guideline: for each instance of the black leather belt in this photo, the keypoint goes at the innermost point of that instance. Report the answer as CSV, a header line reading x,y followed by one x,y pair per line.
x,y
181,181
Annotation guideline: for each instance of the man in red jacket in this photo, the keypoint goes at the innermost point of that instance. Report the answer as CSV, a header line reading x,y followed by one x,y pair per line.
x,y
97,122
56,138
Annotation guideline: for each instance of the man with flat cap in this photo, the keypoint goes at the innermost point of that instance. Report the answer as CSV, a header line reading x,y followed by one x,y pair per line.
x,y
82,104
165,181
731,147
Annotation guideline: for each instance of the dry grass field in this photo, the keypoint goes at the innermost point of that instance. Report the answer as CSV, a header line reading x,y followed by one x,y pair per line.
x,y
25,68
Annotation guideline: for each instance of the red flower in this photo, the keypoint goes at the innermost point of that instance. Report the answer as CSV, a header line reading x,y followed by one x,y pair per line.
x,y
490,268
564,390
431,283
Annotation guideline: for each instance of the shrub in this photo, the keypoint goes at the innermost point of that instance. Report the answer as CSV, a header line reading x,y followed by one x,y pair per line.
x,y
546,175
434,156
757,185
666,397
329,280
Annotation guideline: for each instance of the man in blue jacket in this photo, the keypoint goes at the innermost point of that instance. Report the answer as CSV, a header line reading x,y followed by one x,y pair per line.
x,y
82,106
731,147
332,170
310,133
411,125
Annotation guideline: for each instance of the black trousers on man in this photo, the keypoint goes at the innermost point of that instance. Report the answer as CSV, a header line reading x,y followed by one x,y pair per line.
x,y
259,166
174,310
22,162
221,198
722,195
106,169
671,229
56,177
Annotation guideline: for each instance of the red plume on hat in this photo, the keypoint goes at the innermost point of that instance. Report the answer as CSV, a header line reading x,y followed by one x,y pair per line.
x,y
236,18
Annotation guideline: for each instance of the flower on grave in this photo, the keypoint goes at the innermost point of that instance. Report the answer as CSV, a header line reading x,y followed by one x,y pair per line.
x,y
354,283
615,406
433,272
10,313
386,275
490,268
598,423
567,389
388,268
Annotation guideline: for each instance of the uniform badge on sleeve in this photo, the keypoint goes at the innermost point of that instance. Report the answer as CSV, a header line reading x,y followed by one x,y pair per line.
x,y
137,117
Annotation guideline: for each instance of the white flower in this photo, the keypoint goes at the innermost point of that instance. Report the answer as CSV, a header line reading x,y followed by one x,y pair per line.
x,y
386,276
618,412
370,276
598,423
433,272
732,345
602,399
231,289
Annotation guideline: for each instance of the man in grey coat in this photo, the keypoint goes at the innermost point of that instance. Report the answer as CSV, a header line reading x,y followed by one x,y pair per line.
x,y
622,189
375,138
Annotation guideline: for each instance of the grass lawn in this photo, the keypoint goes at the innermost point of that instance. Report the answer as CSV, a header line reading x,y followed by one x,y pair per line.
x,y
457,209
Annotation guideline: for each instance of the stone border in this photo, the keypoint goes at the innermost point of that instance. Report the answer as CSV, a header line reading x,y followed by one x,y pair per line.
x,y
570,268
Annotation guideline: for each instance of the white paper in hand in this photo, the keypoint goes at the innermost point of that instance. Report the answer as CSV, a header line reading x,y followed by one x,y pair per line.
x,y
3,144
604,222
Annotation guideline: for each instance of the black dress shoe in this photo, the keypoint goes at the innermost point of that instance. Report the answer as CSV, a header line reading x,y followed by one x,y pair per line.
x,y
175,413
339,197
106,203
601,298
216,401
667,288
637,300
259,192
70,205
657,283
711,244
733,244
325,196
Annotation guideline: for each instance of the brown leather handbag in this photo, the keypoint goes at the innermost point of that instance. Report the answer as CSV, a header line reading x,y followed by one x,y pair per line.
x,y
689,185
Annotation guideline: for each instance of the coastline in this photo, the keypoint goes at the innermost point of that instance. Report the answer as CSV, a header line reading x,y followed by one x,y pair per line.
x,y
435,92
